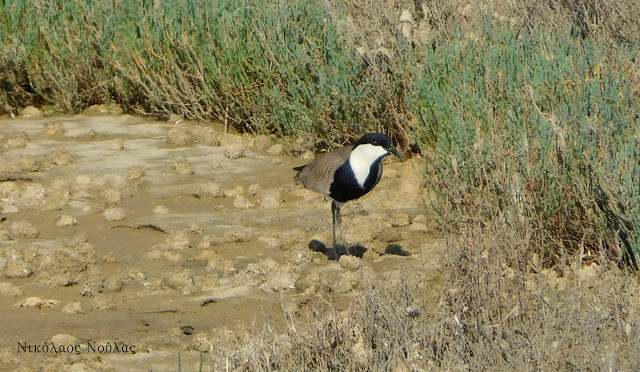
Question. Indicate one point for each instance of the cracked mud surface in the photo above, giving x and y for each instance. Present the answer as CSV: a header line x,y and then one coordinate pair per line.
x,y
155,235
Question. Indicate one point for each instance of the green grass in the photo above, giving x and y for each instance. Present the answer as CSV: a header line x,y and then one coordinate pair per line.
x,y
536,131
269,67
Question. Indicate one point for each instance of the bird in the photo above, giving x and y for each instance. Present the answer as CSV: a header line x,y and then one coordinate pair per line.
x,y
347,173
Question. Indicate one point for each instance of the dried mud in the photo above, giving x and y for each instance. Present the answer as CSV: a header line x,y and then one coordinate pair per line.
x,y
121,230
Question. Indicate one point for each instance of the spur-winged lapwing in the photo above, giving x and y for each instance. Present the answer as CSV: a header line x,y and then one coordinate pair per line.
x,y
347,173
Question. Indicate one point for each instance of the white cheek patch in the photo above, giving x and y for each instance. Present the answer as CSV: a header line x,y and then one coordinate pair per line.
x,y
361,159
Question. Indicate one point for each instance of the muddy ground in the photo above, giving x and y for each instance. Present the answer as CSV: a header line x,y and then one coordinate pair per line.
x,y
155,234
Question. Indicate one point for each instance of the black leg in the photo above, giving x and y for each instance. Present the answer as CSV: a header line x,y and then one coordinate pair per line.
x,y
339,221
333,220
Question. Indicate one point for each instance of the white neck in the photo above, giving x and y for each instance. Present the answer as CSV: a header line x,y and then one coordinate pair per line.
x,y
361,159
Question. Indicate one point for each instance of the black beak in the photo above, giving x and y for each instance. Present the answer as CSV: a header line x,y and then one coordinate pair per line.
x,y
394,151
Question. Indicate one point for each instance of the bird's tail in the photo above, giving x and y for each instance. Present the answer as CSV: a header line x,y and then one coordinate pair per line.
x,y
298,168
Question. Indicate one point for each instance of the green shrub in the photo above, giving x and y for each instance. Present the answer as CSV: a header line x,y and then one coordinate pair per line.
x,y
537,131
279,67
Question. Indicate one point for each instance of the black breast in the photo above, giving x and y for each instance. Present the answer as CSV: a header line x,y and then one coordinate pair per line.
x,y
345,187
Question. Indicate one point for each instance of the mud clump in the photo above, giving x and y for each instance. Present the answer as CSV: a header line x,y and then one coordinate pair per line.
x,y
66,268
112,196
9,189
192,134
61,157
177,241
73,308
53,129
31,112
135,173
270,198
400,220
182,165
18,140
180,280
66,220
9,289
276,149
18,268
24,229
389,235
211,189
240,202
32,196
262,142
103,302
114,214
116,145
161,209
233,192
235,152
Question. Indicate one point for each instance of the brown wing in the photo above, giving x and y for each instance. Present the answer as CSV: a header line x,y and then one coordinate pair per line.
x,y
318,175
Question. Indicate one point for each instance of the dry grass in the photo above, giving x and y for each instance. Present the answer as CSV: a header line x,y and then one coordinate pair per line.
x,y
497,310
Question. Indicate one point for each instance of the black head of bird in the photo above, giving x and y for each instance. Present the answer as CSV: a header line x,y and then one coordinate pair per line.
x,y
347,173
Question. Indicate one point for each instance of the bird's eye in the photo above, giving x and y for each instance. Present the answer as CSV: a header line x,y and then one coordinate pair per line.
x,y
376,143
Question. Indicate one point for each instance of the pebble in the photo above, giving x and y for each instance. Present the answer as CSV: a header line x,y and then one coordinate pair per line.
x,y
182,165
262,142
178,241
61,157
136,173
231,193
276,149
234,152
161,209
254,189
236,236
66,220
351,263
307,155
116,145
400,220
114,214
211,188
32,196
24,228
113,284
112,196
270,198
389,235
9,189
53,129
279,280
241,202
103,302
72,308
17,269
31,112
18,141
194,227
177,280
83,181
